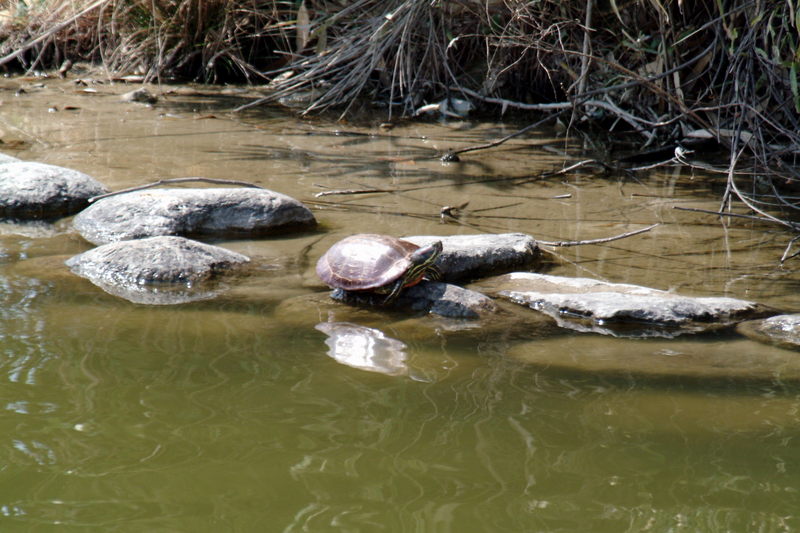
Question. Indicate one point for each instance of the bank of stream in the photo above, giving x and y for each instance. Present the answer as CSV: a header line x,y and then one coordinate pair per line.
x,y
229,414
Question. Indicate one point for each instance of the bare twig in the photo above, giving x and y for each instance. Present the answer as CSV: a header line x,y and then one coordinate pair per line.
x,y
574,166
786,255
550,106
735,189
598,241
352,191
175,180
452,155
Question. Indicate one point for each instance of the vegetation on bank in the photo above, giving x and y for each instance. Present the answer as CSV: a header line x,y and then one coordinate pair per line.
x,y
663,70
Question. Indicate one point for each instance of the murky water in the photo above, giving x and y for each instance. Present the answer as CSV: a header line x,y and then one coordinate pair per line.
x,y
229,415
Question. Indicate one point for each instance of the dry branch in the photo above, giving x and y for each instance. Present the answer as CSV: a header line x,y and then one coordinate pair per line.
x,y
598,241
175,180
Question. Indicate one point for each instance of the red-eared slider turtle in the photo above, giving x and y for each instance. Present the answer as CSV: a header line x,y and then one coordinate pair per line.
x,y
377,263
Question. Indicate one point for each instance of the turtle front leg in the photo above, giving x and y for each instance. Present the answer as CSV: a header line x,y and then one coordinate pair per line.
x,y
397,286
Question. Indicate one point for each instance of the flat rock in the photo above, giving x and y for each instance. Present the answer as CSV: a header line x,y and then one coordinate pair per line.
x,y
217,212
143,270
443,299
30,190
780,330
618,309
466,257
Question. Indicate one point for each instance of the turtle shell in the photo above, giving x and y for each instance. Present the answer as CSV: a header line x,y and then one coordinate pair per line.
x,y
365,262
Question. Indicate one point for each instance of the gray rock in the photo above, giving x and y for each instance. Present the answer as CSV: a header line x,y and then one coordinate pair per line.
x,y
473,256
191,212
4,158
156,270
141,95
433,297
30,190
390,340
447,300
780,330
620,309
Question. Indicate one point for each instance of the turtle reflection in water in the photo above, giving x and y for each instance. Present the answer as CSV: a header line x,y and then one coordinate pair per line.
x,y
377,263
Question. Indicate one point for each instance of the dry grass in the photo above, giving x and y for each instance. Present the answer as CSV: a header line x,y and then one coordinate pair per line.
x,y
206,40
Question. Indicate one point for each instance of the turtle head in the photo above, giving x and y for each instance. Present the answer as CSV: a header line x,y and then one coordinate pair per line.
x,y
422,260
422,264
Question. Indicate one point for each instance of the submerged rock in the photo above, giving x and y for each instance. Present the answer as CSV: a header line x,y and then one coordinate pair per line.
x,y
458,315
191,212
156,270
618,309
473,256
780,330
433,297
141,95
30,190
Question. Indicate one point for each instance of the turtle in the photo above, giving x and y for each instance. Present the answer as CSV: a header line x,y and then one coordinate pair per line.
x,y
377,263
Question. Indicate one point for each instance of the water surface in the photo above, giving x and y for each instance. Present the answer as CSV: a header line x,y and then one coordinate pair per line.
x,y
229,414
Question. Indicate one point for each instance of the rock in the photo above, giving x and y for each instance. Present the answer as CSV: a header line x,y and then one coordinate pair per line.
x,y
780,330
447,300
505,324
483,319
31,190
394,342
617,309
7,159
156,270
473,256
191,212
141,95
433,297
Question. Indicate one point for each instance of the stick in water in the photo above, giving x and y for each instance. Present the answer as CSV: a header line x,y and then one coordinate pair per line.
x,y
175,180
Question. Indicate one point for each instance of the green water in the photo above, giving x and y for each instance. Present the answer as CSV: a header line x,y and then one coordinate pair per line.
x,y
229,414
